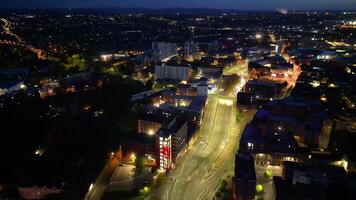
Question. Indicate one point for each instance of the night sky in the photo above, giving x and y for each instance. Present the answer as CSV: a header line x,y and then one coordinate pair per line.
x,y
221,4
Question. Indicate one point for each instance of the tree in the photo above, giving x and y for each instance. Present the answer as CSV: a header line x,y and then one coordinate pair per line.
x,y
161,178
259,189
239,115
144,191
268,174
75,61
149,85
223,185
140,163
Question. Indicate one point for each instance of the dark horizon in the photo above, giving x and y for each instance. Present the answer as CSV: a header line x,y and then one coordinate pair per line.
x,y
140,9
241,5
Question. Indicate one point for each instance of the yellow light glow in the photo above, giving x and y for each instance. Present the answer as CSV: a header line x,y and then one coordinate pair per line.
x,y
227,102
183,82
146,189
151,132
91,187
133,157
315,84
23,86
331,85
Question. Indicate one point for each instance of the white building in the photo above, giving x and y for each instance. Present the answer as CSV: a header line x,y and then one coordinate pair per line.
x,y
164,51
191,50
178,73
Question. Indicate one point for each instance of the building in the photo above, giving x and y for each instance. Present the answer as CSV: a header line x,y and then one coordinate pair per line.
x,y
306,120
139,144
202,90
271,149
164,51
75,82
186,90
172,140
281,71
10,86
254,53
244,182
211,72
170,133
264,90
172,73
286,130
194,111
37,192
49,87
245,101
313,181
208,47
191,51
256,70
150,121
144,60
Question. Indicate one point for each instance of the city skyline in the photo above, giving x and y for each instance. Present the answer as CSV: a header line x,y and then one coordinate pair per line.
x,y
160,4
179,103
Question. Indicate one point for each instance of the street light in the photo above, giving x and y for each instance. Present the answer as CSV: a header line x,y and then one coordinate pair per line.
x,y
258,36
133,157
151,132
146,189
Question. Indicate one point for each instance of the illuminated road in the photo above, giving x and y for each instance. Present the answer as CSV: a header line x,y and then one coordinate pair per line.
x,y
19,42
97,189
240,68
7,29
211,157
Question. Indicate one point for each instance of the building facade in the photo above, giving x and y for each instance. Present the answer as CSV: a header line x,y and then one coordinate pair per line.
x,y
176,73
164,51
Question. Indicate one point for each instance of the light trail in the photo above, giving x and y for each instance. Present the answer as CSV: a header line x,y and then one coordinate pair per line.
x,y
19,42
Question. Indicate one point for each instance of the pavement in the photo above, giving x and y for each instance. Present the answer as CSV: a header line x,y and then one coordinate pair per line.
x,y
268,185
122,178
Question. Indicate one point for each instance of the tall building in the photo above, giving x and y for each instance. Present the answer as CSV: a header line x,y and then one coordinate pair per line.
x,y
245,177
191,50
176,73
164,51
172,141
150,123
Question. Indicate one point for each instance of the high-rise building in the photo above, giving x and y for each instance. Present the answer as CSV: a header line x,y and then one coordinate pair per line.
x,y
164,51
172,140
191,50
177,73
245,177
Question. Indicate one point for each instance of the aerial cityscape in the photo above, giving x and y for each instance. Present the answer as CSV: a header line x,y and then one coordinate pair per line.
x,y
178,100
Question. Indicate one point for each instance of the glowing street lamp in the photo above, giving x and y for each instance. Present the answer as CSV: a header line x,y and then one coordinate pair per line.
x,y
151,132
133,157
258,36
146,189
